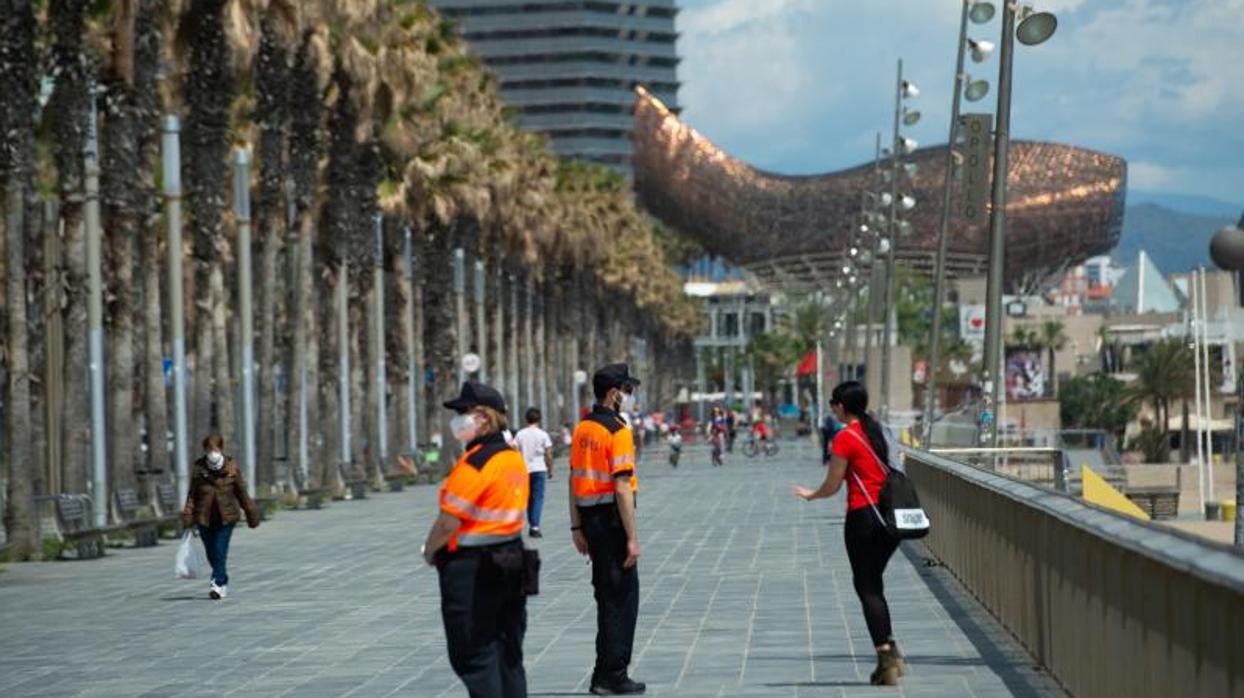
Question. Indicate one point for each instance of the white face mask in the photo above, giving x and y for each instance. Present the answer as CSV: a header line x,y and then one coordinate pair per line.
x,y
215,459
465,427
628,402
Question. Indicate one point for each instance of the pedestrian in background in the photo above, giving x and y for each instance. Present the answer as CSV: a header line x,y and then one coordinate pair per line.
x,y
216,501
859,457
537,449
476,545
602,524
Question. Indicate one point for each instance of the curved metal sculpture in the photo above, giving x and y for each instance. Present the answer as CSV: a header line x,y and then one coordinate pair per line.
x,y
1064,205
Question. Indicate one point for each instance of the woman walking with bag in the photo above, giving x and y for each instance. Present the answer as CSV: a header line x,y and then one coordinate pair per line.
x,y
859,456
216,501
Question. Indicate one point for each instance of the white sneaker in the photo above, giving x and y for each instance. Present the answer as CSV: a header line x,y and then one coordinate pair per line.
x,y
218,592
224,590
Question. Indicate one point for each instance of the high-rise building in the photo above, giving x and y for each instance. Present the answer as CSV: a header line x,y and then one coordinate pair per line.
x,y
569,66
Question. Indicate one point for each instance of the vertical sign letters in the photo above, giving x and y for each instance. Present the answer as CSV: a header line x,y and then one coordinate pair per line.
x,y
975,164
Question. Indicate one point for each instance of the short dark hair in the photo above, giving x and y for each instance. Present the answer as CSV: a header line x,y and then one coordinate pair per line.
x,y
214,440
533,415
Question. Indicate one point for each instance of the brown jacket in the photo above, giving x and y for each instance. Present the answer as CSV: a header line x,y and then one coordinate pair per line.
x,y
223,488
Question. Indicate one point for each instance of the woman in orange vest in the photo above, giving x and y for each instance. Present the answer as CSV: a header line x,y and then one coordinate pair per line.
x,y
477,548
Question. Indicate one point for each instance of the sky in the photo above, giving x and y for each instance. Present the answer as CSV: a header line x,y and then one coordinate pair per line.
x,y
802,86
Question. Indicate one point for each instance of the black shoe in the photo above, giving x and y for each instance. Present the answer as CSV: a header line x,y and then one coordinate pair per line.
x,y
535,533
625,687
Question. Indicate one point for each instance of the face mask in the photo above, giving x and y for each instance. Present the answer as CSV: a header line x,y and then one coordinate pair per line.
x,y
465,427
627,403
215,459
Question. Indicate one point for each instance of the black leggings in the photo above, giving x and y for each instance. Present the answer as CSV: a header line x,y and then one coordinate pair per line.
x,y
869,547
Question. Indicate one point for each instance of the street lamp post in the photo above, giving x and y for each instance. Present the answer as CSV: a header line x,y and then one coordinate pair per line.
x,y
978,12
1227,251
1034,28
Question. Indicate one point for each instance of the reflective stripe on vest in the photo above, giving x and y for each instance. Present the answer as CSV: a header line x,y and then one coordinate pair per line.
x,y
484,513
594,500
474,540
626,459
591,474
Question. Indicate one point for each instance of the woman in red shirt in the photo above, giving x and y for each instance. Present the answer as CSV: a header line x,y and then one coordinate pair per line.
x,y
859,457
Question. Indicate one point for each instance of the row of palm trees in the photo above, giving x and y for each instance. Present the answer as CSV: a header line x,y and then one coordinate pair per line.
x,y
352,109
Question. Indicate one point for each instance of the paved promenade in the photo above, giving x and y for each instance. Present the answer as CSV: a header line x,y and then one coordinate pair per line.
x,y
746,591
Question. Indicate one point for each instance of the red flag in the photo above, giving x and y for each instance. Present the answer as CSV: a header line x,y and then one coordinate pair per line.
x,y
808,365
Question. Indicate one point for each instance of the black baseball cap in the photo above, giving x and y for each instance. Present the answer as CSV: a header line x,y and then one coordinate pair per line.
x,y
475,394
612,376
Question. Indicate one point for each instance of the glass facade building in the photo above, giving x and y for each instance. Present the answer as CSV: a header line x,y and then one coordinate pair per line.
x,y
569,67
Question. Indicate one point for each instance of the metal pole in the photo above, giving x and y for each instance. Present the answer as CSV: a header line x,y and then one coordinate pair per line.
x,y
890,270
460,307
382,416
943,237
820,388
992,382
1196,368
242,214
872,265
95,317
1205,375
699,383
343,363
481,323
171,151
529,354
412,402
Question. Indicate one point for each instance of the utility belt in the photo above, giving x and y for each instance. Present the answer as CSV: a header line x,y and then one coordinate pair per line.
x,y
509,560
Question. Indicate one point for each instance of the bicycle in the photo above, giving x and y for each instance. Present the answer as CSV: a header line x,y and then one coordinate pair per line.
x,y
753,447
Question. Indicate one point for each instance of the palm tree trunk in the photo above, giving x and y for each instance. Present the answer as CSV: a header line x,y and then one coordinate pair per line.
x,y
403,370
359,417
500,346
329,379
298,380
208,92
419,322
21,525
222,374
54,358
66,115
272,75
19,85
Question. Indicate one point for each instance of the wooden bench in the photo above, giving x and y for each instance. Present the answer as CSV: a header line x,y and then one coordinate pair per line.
x,y
71,525
1158,502
146,529
355,481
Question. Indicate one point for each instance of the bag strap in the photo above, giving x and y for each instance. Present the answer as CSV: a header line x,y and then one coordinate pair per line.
x,y
860,483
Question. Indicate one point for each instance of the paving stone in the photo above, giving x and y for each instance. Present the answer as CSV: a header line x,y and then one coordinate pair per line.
x,y
745,591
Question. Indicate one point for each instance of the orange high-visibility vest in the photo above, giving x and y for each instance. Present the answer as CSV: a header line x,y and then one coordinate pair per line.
x,y
487,490
602,449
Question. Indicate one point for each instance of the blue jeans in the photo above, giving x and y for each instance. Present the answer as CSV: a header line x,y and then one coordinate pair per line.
x,y
216,545
535,504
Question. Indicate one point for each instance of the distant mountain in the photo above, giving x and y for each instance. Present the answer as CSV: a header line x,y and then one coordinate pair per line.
x,y
1187,203
1177,241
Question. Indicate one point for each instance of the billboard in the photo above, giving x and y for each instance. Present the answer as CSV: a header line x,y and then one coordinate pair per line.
x,y
1025,375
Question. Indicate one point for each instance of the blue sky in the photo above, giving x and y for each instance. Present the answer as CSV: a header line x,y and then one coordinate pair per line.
x,y
801,86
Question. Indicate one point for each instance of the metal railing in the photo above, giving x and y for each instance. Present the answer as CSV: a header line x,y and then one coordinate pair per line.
x,y
1111,606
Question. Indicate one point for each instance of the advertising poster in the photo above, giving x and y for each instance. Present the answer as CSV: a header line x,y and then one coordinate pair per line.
x,y
1025,375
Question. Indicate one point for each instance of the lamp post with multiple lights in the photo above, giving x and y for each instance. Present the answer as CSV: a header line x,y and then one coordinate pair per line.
x,y
1227,251
979,12
1031,28
902,146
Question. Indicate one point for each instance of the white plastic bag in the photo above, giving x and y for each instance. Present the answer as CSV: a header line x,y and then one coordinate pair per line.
x,y
189,564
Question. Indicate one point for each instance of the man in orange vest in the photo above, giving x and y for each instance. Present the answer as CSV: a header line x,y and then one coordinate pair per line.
x,y
476,545
602,524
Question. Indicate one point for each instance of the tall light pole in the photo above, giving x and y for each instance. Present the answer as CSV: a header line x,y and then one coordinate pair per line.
x,y
978,12
242,215
1034,28
901,146
874,259
170,150
95,316
1227,251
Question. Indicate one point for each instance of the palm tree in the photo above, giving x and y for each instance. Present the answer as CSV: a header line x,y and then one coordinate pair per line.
x,y
208,92
65,124
19,83
1052,338
278,30
1164,375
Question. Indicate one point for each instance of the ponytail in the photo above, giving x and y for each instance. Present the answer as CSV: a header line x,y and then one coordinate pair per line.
x,y
876,437
854,400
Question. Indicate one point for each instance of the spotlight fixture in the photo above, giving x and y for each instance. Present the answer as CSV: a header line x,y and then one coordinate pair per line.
x,y
980,11
910,89
975,90
1034,27
980,49
911,117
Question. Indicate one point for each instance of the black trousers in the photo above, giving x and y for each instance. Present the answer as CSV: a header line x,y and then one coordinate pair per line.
x,y
869,548
616,590
485,616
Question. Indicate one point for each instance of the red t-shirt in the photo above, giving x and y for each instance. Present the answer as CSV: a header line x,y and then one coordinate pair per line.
x,y
856,450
